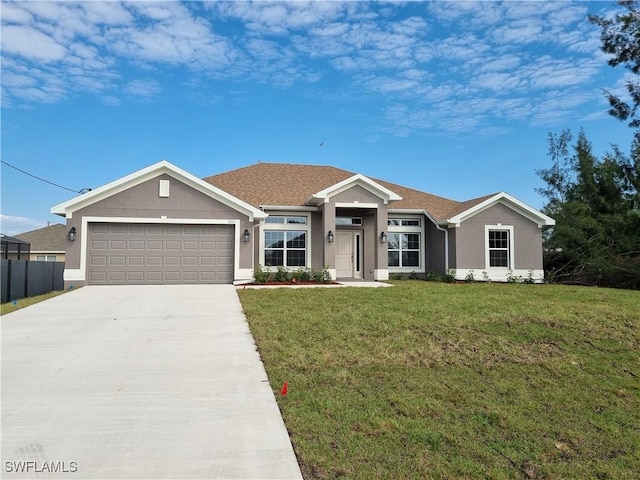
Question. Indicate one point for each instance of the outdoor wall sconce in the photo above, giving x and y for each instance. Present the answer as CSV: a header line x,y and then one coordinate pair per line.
x,y
330,236
383,237
245,236
72,234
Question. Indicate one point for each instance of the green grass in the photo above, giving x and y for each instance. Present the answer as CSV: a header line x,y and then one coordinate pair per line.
x,y
25,302
431,380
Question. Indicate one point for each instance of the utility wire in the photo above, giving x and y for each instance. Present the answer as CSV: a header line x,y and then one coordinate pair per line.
x,y
84,190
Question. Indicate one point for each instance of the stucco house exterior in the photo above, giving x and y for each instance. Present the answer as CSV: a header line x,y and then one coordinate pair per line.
x,y
164,225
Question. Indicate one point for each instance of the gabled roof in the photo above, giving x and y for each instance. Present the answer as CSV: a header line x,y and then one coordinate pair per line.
x,y
469,209
47,239
67,208
359,180
294,184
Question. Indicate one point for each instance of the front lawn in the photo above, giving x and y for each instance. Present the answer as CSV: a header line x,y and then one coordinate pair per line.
x,y
432,380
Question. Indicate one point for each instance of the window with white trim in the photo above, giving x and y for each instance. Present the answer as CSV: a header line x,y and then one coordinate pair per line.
x,y
404,250
404,222
285,241
499,246
405,244
285,248
289,220
45,258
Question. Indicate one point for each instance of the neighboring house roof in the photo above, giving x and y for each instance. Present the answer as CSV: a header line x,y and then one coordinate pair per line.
x,y
48,239
8,239
271,184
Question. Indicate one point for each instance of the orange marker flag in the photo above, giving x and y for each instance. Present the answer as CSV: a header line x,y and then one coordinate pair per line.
x,y
283,390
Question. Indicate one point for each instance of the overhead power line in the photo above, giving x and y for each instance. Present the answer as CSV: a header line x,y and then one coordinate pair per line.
x,y
84,190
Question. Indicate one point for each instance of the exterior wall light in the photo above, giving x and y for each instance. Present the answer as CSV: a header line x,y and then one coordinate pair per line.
x,y
72,234
245,236
330,236
383,237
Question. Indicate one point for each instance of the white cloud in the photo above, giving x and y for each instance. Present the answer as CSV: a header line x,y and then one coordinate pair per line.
x,y
30,43
142,88
505,60
15,225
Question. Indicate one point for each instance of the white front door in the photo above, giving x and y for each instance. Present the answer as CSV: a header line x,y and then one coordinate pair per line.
x,y
349,254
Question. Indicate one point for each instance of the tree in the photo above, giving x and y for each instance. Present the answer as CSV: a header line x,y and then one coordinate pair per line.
x,y
596,239
621,38
596,202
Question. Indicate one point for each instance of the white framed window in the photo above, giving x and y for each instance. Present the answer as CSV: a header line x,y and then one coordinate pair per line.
x,y
287,248
404,222
499,247
287,219
285,241
405,244
404,250
45,258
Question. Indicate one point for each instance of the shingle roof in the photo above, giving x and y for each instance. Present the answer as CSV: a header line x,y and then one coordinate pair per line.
x,y
293,184
47,239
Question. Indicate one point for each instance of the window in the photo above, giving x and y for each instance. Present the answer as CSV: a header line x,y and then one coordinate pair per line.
x,y
499,253
287,248
45,258
348,220
403,222
289,220
404,249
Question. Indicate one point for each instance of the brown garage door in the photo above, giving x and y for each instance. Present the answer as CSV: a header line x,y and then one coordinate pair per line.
x,y
121,253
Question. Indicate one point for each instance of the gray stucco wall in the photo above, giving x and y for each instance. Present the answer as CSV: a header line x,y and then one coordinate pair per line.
x,y
142,201
469,239
435,250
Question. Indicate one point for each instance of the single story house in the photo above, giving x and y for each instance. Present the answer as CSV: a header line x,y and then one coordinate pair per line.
x,y
47,243
163,225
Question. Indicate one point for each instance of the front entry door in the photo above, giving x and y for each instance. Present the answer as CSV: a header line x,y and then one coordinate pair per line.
x,y
349,254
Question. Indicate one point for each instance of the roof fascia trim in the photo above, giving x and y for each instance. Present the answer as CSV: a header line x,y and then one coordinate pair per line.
x,y
289,208
357,179
67,208
507,200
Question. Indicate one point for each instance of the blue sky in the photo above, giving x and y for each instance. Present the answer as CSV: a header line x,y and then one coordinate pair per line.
x,y
452,98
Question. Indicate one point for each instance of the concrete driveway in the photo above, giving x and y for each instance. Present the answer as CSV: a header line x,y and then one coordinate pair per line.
x,y
138,382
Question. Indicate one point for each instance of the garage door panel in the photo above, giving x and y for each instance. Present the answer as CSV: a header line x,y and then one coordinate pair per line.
x,y
160,253
136,260
117,260
136,277
155,244
154,276
154,261
116,276
136,244
99,245
171,261
172,245
98,260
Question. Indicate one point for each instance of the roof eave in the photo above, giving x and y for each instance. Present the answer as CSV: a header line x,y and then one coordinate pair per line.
x,y
527,211
67,208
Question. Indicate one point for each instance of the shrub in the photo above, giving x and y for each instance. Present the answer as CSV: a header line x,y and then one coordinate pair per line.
x,y
433,276
469,277
260,275
450,275
281,274
301,274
